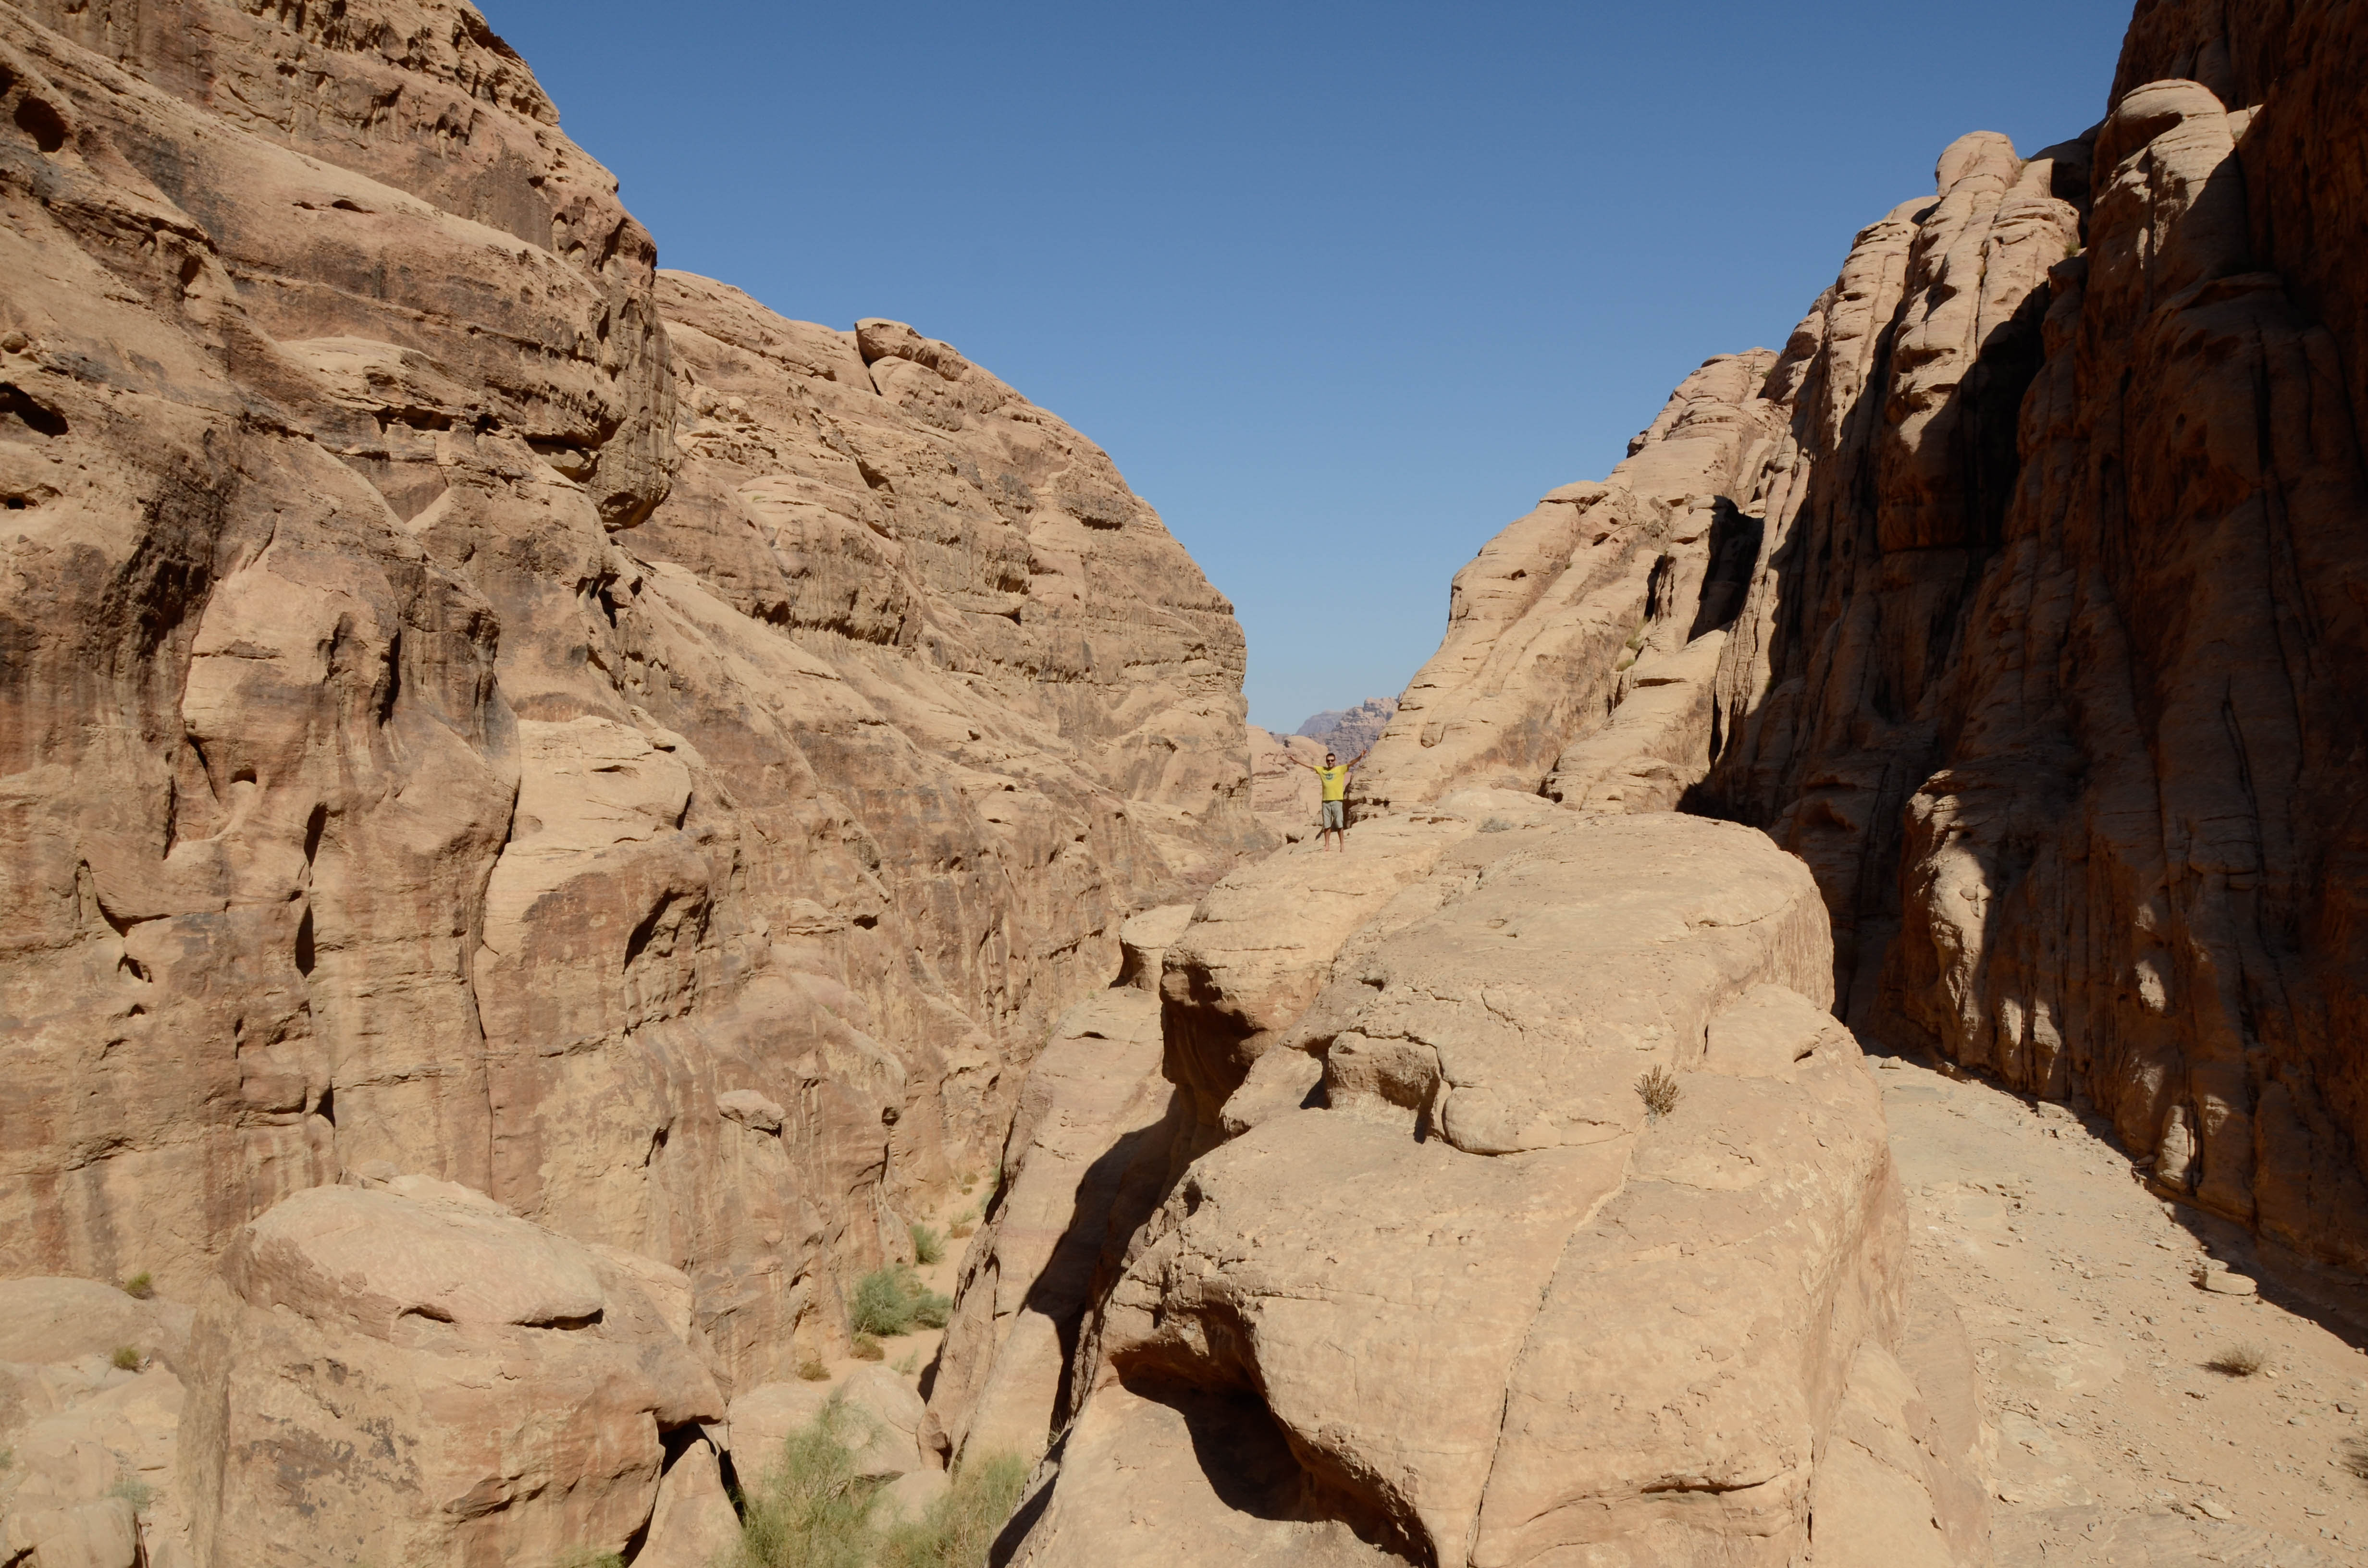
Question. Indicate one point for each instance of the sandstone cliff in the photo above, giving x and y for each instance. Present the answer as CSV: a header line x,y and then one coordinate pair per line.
x,y
2024,596
478,707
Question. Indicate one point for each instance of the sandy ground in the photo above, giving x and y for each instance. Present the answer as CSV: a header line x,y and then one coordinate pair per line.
x,y
2116,1443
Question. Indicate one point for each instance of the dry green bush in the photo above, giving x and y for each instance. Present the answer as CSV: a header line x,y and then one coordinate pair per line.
x,y
956,1531
125,1359
1658,1090
927,1246
813,1370
892,1301
811,1509
2239,1361
867,1348
140,1286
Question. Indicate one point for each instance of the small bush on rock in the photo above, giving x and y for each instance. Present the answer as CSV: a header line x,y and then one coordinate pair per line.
x,y
927,1246
140,1286
1658,1090
813,1370
891,1300
125,1359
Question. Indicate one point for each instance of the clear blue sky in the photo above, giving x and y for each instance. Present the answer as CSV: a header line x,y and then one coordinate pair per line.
x,y
1343,287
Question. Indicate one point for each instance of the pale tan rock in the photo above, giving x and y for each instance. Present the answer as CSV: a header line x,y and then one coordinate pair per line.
x,y
91,1535
1540,621
881,1418
1092,1100
62,1319
693,1524
1286,796
1262,942
94,1466
1656,743
1143,942
1545,1324
1246,1503
910,1494
761,1419
410,1373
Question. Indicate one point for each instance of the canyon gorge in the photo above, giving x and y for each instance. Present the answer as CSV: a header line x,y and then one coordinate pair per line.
x,y
558,823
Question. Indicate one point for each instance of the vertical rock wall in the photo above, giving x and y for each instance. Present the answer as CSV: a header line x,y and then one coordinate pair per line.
x,y
478,707
2039,566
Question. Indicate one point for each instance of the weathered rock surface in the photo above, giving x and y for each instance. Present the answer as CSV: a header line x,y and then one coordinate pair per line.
x,y
2039,555
1479,1306
1094,1108
409,1373
881,1420
1349,731
479,706
91,1479
1286,796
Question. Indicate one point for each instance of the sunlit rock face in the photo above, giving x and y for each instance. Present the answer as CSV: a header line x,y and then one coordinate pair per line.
x,y
2021,596
479,706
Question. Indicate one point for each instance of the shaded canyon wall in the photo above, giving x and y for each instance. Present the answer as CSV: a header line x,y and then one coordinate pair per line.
x,y
2024,596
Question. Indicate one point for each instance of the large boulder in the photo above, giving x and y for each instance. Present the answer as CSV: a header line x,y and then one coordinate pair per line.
x,y
409,1373
1492,1301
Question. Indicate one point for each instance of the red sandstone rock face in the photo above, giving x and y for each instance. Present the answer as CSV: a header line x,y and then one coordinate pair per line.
x,y
2046,645
478,707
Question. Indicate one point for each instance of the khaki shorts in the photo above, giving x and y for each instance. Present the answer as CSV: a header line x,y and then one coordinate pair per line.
x,y
1335,814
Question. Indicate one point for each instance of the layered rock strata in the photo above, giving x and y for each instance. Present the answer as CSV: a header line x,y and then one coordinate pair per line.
x,y
2022,595
480,708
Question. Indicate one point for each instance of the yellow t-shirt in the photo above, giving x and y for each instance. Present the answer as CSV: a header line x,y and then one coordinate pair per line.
x,y
1335,782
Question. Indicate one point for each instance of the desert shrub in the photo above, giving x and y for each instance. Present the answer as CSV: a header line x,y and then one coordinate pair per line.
x,y
137,1492
813,1370
2239,1361
1658,1090
891,1300
140,1286
961,1229
125,1359
956,1531
927,1246
867,1348
811,1510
